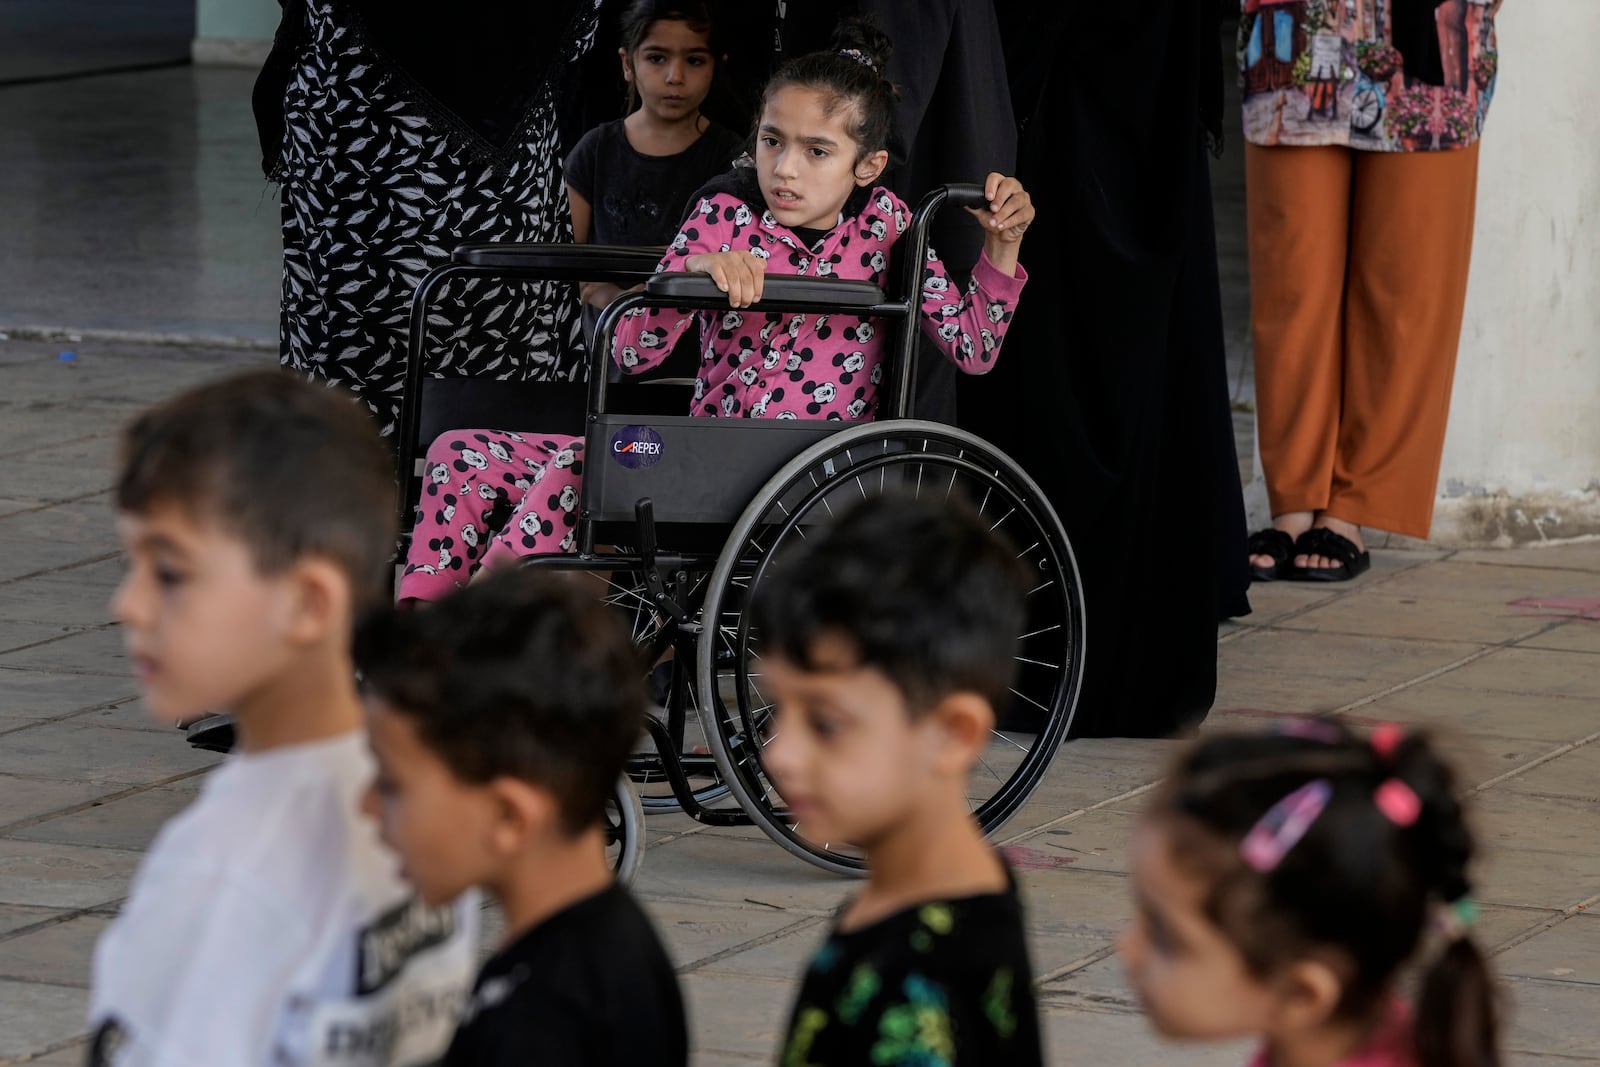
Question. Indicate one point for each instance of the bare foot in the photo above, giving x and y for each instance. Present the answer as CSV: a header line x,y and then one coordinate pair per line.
x,y
1348,530
1293,523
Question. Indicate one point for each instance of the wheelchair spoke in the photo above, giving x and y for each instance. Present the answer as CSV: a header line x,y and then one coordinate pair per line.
x,y
789,515
1029,699
1036,633
1009,741
1037,662
1003,518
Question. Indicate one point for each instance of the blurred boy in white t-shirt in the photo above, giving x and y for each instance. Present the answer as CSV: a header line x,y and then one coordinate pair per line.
x,y
268,924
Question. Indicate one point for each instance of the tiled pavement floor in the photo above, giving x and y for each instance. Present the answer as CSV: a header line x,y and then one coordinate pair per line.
x,y
1500,650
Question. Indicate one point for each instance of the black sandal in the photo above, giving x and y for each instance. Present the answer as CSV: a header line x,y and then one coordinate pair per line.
x,y
1277,544
1321,541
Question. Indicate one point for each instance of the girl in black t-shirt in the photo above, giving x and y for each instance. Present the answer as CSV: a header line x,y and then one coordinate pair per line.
x,y
628,180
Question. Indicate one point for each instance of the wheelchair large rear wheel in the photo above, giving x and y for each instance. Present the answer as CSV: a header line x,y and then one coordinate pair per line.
x,y
917,459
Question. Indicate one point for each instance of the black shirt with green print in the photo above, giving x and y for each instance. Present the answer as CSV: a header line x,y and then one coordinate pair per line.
x,y
938,984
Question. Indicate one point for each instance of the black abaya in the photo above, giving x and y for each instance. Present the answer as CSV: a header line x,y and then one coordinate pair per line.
x,y
1111,389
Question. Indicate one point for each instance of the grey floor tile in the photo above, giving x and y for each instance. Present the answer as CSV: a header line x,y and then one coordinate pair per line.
x,y
15,635
87,523
130,714
1583,556
1102,1038
733,871
736,1014
130,822
1538,879
1317,658
1490,584
1097,841
61,954
1532,671
1553,1019
30,557
35,1017
1575,774
1413,617
1580,635
69,750
42,600
88,652
1504,816
35,693
63,876
780,959
46,483
1447,704
1569,952
17,916
695,930
72,1055
1093,905
26,797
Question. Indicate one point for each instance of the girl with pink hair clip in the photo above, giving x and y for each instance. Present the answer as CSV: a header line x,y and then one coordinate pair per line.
x,y
1283,880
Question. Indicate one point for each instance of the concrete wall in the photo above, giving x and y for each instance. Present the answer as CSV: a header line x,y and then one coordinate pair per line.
x,y
234,32
1522,457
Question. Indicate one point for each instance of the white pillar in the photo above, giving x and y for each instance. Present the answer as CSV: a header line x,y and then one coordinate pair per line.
x,y
1522,455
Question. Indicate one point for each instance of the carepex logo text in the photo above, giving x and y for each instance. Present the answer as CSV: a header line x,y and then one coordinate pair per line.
x,y
637,447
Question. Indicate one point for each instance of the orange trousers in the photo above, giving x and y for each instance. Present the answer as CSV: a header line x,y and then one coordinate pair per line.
x,y
1358,280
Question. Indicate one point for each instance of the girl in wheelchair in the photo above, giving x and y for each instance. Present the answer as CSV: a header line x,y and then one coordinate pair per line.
x,y
807,204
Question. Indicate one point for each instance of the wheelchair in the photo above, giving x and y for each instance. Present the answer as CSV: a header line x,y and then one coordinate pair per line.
x,y
694,511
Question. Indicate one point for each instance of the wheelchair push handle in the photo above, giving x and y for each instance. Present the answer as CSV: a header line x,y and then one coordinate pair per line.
x,y
966,194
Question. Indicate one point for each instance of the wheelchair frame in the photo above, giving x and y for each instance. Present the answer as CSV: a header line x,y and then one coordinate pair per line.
x,y
683,593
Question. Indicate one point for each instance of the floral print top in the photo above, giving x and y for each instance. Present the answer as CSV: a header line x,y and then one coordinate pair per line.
x,y
1379,75
770,365
932,986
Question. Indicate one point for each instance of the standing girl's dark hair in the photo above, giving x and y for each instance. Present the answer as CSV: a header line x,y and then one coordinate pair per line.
x,y
850,73
1384,860
643,14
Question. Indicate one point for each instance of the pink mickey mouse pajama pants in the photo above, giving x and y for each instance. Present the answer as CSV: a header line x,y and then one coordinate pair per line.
x,y
489,496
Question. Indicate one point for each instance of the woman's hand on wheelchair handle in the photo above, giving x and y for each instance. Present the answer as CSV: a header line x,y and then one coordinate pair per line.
x,y
739,274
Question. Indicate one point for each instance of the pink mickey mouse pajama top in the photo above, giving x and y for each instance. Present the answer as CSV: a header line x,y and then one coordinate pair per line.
x,y
490,496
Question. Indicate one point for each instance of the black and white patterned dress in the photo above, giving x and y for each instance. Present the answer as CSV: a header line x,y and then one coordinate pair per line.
x,y
378,183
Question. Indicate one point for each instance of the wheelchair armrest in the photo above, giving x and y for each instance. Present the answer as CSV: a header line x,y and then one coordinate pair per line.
x,y
575,262
778,292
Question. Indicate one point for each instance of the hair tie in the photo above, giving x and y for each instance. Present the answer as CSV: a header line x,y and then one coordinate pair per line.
x,y
1386,738
1284,824
1454,920
1398,802
860,57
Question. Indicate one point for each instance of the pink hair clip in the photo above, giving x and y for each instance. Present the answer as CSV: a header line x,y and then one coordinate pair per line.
x,y
1398,802
1284,824
1311,730
1386,738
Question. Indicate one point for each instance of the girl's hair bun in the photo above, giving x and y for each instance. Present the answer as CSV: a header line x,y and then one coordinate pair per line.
x,y
859,39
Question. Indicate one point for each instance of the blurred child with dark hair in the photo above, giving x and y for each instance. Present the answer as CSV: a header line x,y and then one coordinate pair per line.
x,y
501,718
